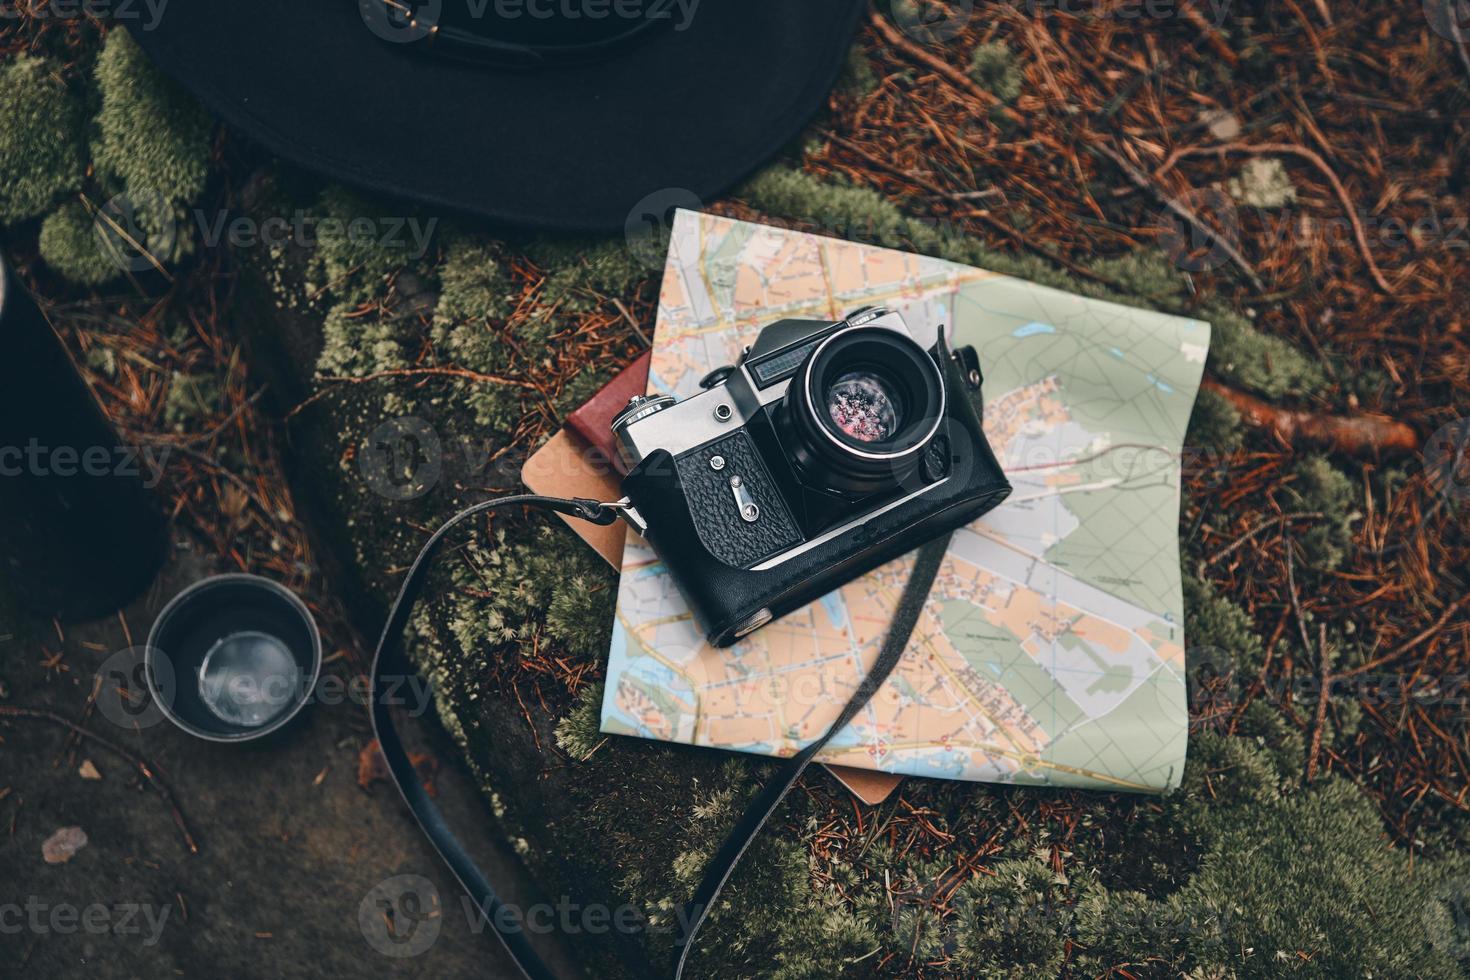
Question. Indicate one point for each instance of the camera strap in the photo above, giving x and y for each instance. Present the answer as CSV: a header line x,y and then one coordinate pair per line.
x,y
389,658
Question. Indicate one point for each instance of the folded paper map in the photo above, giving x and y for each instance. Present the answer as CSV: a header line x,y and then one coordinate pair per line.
x,y
1051,650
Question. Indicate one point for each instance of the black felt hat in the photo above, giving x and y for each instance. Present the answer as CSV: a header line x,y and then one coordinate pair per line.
x,y
561,114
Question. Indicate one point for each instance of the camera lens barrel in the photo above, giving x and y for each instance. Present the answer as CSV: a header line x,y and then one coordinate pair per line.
x,y
861,410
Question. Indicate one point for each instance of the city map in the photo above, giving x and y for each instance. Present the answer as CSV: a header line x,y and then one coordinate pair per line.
x,y
1051,650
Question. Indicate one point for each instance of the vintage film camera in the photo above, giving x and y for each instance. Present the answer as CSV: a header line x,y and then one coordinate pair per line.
x,y
829,449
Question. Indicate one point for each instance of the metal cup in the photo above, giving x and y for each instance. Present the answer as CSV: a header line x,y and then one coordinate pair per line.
x,y
233,658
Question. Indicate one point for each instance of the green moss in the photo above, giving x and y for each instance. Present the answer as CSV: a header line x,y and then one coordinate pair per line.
x,y
1318,486
1214,424
1220,635
1263,724
496,408
1280,872
382,288
42,152
351,265
102,360
474,293
580,613
190,396
1278,868
153,141
771,922
473,284
579,267
152,135
71,246
851,212
993,67
579,733
1279,880
1267,365
510,590
1008,921
356,343
376,283
1144,274
858,79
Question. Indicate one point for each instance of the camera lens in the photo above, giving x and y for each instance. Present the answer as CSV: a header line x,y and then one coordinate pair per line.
x,y
863,406
860,411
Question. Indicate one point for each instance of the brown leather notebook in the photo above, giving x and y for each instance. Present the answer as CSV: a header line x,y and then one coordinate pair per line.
x,y
593,421
577,462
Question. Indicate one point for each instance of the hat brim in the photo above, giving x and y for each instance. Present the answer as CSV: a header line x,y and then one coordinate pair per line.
x,y
571,148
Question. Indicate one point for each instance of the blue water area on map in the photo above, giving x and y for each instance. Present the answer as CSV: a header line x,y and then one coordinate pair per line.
x,y
1117,353
836,609
1160,384
1031,329
657,675
945,764
848,738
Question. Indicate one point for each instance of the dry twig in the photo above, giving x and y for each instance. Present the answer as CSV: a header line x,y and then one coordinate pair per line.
x,y
1358,435
1324,678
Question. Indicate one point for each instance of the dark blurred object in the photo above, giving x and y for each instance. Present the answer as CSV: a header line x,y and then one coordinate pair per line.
x,y
602,120
80,533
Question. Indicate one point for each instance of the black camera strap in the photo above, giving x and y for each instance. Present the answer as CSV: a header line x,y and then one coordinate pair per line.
x,y
389,658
